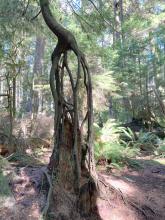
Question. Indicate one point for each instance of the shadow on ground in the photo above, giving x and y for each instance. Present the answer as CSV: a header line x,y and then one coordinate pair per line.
x,y
26,187
144,189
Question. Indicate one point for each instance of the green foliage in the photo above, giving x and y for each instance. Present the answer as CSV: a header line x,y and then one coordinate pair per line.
x,y
147,141
134,163
105,81
4,185
110,131
101,117
122,67
118,153
160,151
3,163
120,146
126,134
148,137
162,148
108,145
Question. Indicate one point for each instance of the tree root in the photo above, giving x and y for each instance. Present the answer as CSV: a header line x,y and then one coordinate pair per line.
x,y
45,209
127,201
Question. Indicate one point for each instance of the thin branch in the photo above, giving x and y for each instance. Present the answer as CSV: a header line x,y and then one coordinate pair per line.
x,y
69,71
45,209
26,8
32,19
83,122
79,16
102,16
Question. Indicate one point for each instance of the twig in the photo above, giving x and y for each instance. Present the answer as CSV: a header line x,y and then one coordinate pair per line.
x,y
26,8
9,157
32,19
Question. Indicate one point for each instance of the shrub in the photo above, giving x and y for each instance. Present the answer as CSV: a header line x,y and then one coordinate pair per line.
x,y
119,145
108,145
147,141
118,153
160,151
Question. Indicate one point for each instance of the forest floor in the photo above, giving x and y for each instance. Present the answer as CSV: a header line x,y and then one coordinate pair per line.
x,y
143,191
131,194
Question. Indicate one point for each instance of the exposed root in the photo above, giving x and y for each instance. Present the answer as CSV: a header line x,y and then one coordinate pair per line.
x,y
127,201
138,208
45,209
104,196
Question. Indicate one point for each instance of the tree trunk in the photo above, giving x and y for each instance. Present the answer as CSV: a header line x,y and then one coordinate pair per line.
x,y
72,162
39,54
14,97
38,71
10,108
140,75
118,21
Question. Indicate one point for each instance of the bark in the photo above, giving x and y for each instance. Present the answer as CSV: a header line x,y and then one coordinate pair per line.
x,y
111,113
121,19
114,31
39,53
163,67
10,108
14,97
37,96
140,75
161,104
69,168
118,20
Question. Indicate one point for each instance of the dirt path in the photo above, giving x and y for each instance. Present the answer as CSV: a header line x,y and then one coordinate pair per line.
x,y
143,189
133,195
28,194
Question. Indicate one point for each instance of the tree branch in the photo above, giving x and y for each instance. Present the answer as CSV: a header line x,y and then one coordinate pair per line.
x,y
26,8
32,19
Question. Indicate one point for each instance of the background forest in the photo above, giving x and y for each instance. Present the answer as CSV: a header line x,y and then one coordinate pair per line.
x,y
123,41
124,44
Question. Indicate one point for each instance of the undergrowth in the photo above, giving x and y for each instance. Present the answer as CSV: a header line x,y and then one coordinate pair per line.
x,y
119,146
25,159
109,147
5,191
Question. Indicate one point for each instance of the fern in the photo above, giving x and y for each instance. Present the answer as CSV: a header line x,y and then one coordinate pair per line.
x,y
108,144
128,133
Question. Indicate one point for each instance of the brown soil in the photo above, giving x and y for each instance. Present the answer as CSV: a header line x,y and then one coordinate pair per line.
x,y
126,195
28,194
143,193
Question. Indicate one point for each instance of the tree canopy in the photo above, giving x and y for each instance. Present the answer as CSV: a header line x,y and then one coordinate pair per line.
x,y
87,79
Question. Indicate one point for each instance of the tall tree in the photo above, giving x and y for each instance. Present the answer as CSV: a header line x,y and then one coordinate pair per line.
x,y
37,95
72,162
